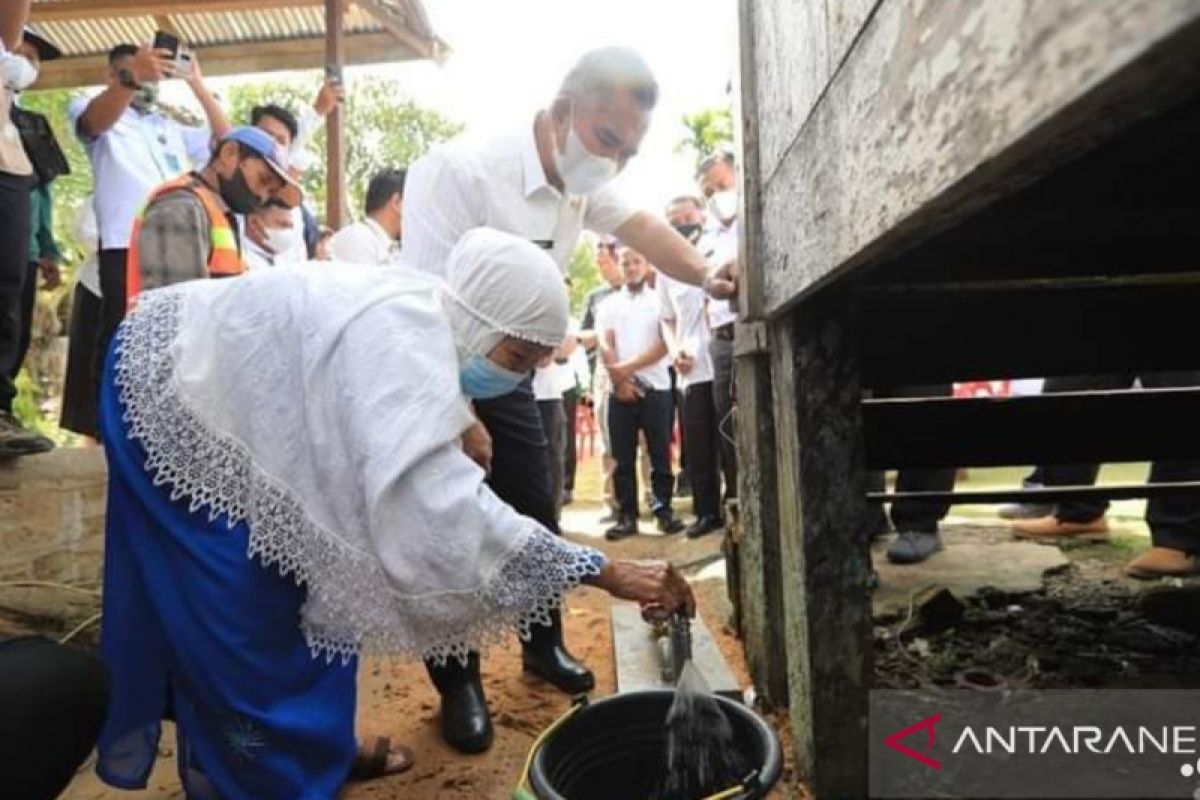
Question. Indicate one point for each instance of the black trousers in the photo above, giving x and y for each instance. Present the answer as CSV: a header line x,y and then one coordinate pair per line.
x,y
721,351
14,263
653,416
52,704
554,426
79,409
914,516
677,419
28,301
112,308
704,448
1174,521
570,456
521,476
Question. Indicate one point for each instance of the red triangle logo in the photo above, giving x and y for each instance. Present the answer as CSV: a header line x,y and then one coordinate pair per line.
x,y
929,724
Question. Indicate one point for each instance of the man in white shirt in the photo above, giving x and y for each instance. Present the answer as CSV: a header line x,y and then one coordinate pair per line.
x,y
545,183
294,136
719,244
268,237
134,148
376,239
635,355
685,322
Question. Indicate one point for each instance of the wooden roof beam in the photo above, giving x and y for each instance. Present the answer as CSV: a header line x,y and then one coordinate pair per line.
x,y
70,10
393,22
241,59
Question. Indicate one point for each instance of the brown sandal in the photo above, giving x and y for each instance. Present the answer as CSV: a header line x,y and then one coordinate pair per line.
x,y
377,761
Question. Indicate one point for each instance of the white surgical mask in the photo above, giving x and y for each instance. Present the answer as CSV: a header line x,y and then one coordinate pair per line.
x,y
300,159
18,72
582,171
724,205
280,240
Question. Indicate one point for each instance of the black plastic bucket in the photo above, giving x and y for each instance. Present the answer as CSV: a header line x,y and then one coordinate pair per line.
x,y
613,749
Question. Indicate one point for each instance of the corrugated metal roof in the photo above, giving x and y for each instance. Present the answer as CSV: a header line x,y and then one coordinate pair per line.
x,y
97,35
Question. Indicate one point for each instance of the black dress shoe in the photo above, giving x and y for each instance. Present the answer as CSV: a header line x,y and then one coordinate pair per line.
x,y
625,527
704,526
668,522
545,656
466,723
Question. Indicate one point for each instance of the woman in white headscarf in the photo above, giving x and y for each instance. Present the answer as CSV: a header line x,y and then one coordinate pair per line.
x,y
288,490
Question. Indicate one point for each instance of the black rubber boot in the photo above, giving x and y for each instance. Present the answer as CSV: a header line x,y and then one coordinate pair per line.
x,y
466,724
545,656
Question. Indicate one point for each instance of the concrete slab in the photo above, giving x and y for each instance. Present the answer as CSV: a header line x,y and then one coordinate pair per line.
x,y
639,659
964,568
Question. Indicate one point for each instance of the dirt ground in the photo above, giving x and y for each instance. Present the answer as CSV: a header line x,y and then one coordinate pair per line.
x,y
397,700
1086,626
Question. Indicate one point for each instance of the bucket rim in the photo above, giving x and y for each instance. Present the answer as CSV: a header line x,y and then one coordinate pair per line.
x,y
765,775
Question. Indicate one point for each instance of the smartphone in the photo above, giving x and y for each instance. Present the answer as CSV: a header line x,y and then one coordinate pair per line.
x,y
166,41
333,73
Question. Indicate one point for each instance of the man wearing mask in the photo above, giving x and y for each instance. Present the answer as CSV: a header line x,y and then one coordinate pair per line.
x,y
718,185
294,135
18,288
133,148
268,237
188,229
686,324
546,183
375,239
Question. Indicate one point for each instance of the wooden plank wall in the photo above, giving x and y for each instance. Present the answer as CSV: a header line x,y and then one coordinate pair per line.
x,y
936,109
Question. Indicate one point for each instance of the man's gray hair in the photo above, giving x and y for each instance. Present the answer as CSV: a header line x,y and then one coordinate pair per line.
x,y
718,157
608,69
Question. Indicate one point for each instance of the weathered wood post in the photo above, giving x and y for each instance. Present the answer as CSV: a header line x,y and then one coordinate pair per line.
x,y
759,578
335,61
825,557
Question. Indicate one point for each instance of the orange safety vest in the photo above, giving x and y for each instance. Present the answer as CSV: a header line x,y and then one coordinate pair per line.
x,y
224,260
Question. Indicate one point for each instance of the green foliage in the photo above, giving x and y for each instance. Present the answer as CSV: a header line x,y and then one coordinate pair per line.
x,y
384,129
707,130
585,275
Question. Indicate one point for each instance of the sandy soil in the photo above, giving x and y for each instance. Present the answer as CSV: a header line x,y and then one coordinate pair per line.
x,y
397,700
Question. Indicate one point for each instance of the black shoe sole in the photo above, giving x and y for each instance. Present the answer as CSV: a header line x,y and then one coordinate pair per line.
x,y
472,747
581,686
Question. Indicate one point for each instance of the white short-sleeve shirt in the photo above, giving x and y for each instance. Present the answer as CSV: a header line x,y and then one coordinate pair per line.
x,y
685,306
130,159
497,182
636,322
366,243
719,246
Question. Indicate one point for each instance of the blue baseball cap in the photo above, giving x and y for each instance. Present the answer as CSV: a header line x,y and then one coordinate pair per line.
x,y
262,145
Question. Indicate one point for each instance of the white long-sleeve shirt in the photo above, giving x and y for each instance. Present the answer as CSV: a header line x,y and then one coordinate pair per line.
x,y
500,183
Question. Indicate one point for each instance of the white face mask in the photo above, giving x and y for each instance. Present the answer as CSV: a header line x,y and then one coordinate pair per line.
x,y
724,205
17,72
582,171
279,240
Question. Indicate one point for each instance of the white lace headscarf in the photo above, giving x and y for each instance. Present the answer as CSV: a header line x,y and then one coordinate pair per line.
x,y
502,285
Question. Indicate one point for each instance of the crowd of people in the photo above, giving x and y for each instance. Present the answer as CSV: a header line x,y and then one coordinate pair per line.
x,y
312,461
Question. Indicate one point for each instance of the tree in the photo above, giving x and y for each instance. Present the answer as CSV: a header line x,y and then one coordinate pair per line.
x,y
69,191
707,130
385,128
584,274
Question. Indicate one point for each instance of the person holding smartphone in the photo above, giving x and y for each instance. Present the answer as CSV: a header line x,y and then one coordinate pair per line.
x,y
133,147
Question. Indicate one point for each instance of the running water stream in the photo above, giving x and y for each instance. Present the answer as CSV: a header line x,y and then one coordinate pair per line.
x,y
702,758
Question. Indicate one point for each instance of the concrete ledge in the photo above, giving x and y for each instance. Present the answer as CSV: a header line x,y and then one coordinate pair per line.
x,y
52,517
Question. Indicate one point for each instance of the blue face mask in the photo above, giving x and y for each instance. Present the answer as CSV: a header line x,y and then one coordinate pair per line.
x,y
481,378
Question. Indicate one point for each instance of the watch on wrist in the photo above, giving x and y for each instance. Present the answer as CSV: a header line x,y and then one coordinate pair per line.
x,y
125,79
